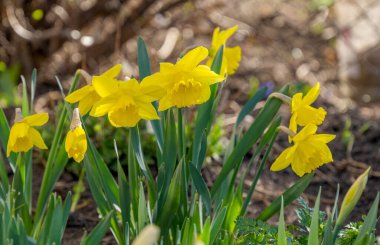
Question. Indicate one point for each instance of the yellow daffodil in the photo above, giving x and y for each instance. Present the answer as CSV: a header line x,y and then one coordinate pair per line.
x,y
76,140
231,56
125,102
302,111
23,136
185,83
87,96
309,152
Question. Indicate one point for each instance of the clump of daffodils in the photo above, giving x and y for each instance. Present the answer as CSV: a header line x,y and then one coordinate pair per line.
x,y
309,150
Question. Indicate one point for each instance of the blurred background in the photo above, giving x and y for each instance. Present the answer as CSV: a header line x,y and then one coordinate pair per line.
x,y
301,42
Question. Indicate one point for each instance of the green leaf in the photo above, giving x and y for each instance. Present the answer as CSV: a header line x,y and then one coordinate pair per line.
x,y
25,102
4,135
281,236
144,71
204,117
99,231
4,180
289,196
206,231
250,105
125,200
254,132
143,212
370,221
270,135
53,166
314,226
135,141
169,158
133,176
33,88
172,202
328,234
201,187
217,224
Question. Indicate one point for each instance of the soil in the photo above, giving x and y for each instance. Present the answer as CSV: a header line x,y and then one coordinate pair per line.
x,y
282,42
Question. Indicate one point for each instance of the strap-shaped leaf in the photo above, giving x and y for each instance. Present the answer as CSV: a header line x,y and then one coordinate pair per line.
x,y
254,132
314,226
201,187
289,196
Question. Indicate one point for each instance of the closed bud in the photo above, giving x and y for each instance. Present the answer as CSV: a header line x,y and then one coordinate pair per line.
x,y
352,197
148,236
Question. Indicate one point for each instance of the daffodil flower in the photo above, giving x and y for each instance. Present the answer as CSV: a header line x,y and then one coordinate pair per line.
x,y
231,56
185,83
302,111
125,102
309,152
87,95
76,140
23,136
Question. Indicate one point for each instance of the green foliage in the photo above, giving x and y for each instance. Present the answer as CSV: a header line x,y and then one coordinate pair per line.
x,y
304,214
252,231
152,174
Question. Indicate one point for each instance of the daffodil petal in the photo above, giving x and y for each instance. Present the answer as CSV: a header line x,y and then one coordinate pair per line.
x,y
79,94
282,161
105,86
325,138
103,106
296,102
297,166
36,119
192,58
166,67
312,94
36,138
147,111
220,37
203,74
164,103
293,125
113,71
69,141
308,130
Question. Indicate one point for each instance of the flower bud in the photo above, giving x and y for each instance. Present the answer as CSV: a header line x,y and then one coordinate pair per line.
x,y
148,236
352,197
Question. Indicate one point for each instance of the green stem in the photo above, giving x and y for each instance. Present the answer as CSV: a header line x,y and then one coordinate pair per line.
x,y
257,176
181,135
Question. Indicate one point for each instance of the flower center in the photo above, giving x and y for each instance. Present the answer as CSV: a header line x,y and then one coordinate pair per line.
x,y
186,92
